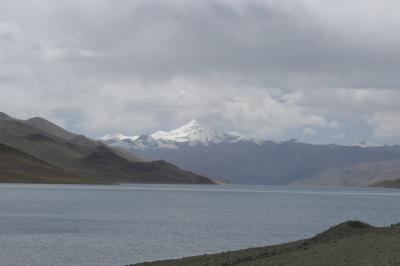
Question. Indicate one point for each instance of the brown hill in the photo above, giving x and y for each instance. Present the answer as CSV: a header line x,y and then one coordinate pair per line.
x,y
19,167
82,157
349,243
50,128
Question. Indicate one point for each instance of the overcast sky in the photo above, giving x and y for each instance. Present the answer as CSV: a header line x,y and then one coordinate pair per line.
x,y
319,71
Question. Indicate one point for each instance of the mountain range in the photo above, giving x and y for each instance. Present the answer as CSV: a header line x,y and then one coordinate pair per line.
x,y
38,151
193,133
238,159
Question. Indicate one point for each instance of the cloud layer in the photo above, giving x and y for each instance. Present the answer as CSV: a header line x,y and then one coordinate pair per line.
x,y
308,69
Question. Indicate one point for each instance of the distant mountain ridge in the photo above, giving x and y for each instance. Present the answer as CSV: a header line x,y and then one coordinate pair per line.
x,y
38,151
239,159
195,133
192,133
360,174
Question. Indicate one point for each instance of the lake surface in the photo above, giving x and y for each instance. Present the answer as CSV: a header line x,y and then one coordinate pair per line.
x,y
117,225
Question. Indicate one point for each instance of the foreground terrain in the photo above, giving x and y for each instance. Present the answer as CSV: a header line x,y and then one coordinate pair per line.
x,y
349,243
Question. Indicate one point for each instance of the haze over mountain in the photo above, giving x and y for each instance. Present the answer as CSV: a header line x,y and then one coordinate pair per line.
x,y
36,150
234,157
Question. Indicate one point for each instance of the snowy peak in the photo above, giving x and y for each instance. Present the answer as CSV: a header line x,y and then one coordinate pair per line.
x,y
192,133
118,140
196,133
117,137
145,141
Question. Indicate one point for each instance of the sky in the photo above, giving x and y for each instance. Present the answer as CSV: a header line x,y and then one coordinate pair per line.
x,y
317,71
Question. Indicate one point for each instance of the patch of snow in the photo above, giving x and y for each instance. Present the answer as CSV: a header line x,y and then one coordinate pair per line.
x,y
196,133
118,137
192,133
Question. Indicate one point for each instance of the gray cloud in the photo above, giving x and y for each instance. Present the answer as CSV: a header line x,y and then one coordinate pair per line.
x,y
279,69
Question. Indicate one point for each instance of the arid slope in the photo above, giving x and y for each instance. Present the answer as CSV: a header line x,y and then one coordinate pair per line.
x,y
37,150
349,243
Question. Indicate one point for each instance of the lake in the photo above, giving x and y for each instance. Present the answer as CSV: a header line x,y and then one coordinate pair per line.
x,y
117,225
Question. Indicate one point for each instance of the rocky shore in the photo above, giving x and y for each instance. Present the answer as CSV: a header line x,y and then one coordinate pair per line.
x,y
349,243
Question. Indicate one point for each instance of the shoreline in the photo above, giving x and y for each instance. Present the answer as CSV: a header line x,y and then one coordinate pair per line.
x,y
349,243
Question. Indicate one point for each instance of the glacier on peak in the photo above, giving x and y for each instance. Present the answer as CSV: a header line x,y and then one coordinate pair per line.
x,y
117,137
196,133
192,133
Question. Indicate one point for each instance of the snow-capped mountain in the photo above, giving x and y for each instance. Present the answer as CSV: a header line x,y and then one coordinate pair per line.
x,y
119,140
148,142
192,133
196,133
116,137
232,157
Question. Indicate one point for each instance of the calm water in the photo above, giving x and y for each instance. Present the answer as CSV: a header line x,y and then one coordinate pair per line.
x,y
116,225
